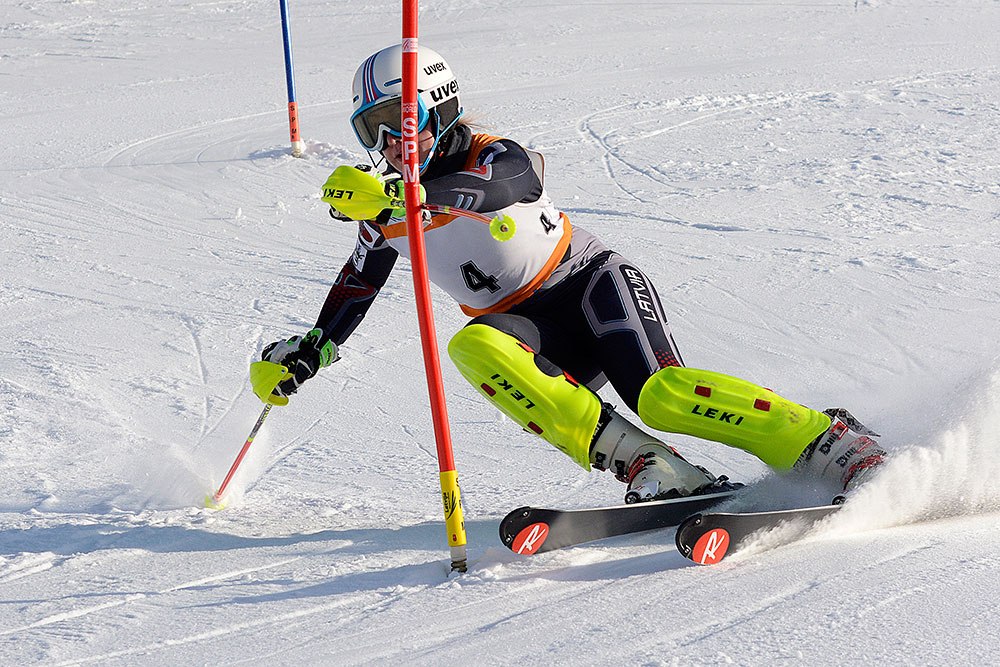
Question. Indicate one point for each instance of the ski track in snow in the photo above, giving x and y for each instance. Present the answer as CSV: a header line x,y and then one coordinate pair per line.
x,y
812,188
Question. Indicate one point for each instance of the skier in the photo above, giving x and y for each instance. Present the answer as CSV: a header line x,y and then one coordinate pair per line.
x,y
556,314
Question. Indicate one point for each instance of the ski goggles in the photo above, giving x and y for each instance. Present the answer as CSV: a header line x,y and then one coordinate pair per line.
x,y
373,120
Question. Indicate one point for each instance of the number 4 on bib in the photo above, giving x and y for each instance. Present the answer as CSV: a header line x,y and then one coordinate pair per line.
x,y
476,280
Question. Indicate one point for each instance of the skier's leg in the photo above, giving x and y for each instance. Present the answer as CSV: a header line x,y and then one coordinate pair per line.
x,y
638,354
830,445
629,334
544,400
735,412
537,395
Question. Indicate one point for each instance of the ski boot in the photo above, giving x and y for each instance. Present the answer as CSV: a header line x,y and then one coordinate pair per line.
x,y
847,454
653,470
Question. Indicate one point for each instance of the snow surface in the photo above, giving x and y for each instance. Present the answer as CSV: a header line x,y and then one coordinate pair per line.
x,y
814,187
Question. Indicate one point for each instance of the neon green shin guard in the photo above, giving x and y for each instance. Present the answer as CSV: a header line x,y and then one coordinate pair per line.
x,y
556,408
731,411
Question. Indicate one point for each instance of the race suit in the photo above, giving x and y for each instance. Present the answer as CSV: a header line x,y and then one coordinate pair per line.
x,y
581,307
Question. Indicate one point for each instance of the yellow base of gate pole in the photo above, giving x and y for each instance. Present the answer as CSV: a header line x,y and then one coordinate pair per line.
x,y
454,519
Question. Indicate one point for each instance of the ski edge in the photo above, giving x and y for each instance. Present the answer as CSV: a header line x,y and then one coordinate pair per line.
x,y
649,503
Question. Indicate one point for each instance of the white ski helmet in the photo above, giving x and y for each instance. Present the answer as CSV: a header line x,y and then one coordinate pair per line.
x,y
378,91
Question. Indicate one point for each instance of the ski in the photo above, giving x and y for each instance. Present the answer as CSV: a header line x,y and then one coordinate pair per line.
x,y
531,530
707,538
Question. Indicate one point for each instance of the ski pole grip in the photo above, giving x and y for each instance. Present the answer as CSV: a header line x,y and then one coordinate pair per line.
x,y
264,377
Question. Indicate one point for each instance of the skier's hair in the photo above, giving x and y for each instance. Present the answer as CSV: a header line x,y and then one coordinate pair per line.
x,y
473,121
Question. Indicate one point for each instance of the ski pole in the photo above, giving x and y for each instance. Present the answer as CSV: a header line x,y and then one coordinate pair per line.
x,y
214,501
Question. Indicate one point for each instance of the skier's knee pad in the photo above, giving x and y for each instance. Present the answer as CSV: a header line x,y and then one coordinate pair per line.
x,y
731,411
550,404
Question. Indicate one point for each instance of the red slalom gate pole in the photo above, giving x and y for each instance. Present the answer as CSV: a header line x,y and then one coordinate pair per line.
x,y
454,519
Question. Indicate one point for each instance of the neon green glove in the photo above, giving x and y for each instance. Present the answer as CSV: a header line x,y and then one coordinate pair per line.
x,y
300,357
395,190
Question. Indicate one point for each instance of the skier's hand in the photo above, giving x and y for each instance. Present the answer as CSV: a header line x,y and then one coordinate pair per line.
x,y
303,356
394,189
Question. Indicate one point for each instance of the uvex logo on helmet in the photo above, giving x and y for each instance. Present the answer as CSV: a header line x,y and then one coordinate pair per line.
x,y
436,67
444,91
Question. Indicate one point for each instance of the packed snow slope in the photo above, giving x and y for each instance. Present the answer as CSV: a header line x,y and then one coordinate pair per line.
x,y
813,187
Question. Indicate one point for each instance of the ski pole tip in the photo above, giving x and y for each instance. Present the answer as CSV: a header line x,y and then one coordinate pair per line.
x,y
214,502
